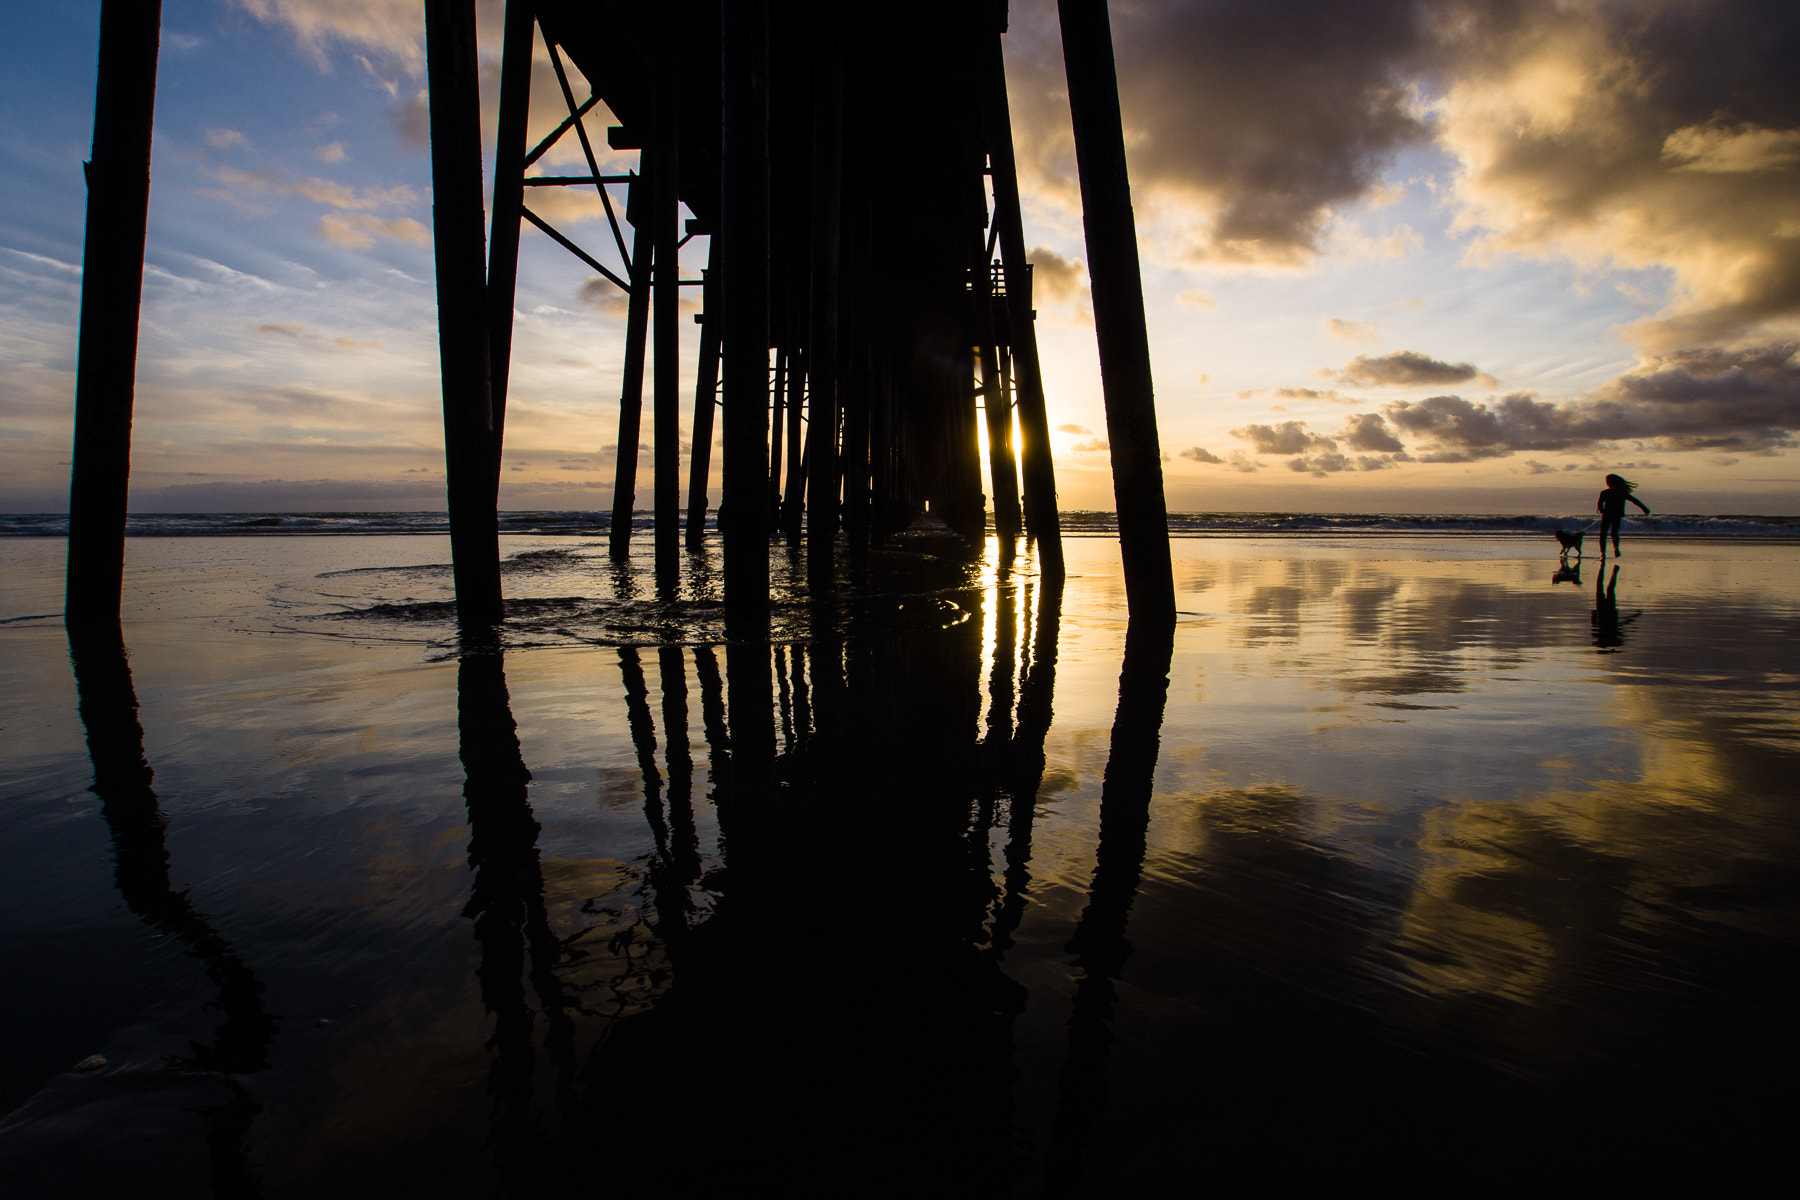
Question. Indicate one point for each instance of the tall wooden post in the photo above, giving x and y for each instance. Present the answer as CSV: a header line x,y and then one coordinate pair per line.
x,y
509,202
996,400
744,180
793,492
638,206
784,362
667,396
1041,517
706,394
823,367
470,430
112,284
1118,309
855,294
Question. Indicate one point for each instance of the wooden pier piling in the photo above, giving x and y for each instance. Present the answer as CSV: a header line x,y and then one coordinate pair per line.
x,y
112,284
471,441
1119,322
631,389
666,223
744,228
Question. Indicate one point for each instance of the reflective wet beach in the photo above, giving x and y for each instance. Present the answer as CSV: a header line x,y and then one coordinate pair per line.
x,y
1423,865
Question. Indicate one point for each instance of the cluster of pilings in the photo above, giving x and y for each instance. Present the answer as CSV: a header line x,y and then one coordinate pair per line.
x,y
867,297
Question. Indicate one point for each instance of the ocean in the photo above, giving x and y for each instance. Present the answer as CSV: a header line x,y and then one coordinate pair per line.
x,y
1412,854
1075,523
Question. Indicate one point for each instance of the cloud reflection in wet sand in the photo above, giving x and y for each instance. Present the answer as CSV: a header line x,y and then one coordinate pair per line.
x,y
1411,878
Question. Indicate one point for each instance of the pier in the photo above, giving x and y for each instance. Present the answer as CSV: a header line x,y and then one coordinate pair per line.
x,y
866,309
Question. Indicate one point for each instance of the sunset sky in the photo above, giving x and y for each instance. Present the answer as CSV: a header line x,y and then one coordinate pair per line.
x,y
1429,255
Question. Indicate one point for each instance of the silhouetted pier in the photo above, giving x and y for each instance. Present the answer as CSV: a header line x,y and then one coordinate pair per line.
x,y
867,297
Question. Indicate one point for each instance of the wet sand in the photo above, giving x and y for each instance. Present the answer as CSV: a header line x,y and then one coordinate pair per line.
x,y
1424,866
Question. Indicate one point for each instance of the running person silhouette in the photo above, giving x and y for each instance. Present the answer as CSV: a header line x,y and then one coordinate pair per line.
x,y
1611,506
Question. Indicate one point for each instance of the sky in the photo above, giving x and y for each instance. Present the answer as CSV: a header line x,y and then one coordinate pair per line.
x,y
1401,255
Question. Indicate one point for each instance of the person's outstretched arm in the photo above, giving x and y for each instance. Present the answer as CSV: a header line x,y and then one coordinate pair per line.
x,y
1640,504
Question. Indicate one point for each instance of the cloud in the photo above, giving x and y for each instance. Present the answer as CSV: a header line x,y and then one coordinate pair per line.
x,y
1093,447
1351,331
1533,467
1196,298
1367,431
392,29
1080,430
331,152
1054,277
1289,437
1712,400
1390,243
224,139
602,294
1709,399
1319,456
1201,454
1404,368
1459,430
1660,136
1265,119
1237,460
320,191
1730,150
358,230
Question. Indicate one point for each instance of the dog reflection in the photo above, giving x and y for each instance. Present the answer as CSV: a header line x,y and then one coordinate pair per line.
x,y
1567,573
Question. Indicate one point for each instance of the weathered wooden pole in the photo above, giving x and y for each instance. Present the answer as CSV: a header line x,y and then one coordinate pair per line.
x,y
744,228
666,89
1041,517
470,430
638,207
112,285
509,202
823,367
706,395
1125,376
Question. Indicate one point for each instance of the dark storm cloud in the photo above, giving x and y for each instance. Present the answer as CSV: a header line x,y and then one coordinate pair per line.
x,y
1271,114
1404,368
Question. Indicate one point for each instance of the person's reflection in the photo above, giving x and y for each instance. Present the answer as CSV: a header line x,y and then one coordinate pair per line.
x,y
506,903
1609,626
122,780
1100,945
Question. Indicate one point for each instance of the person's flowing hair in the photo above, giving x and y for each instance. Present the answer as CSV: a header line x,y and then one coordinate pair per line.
x,y
1620,481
